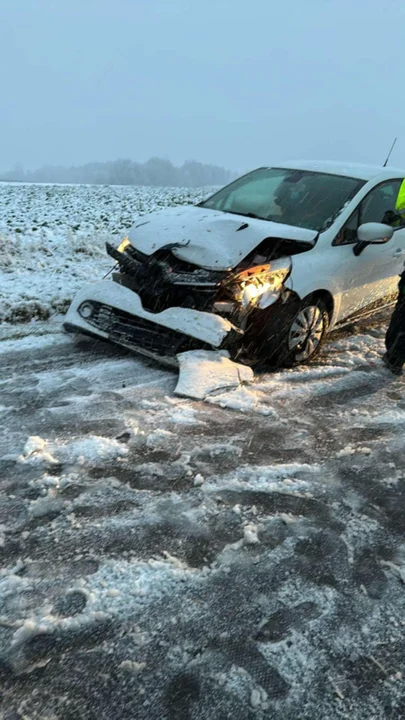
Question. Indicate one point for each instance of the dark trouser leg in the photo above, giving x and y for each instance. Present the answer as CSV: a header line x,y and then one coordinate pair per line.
x,y
395,338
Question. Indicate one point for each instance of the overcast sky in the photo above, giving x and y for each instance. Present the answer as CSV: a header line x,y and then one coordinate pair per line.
x,y
238,83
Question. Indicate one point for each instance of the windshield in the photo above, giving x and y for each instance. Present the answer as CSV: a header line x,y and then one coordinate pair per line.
x,y
293,197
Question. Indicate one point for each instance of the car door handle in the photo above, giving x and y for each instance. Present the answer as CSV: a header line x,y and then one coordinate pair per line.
x,y
398,253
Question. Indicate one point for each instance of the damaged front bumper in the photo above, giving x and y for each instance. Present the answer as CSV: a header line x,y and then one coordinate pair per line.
x,y
114,312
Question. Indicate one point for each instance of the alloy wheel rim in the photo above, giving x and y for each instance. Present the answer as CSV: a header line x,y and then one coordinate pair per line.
x,y
306,332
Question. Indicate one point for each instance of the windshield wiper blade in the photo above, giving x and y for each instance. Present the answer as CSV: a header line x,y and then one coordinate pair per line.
x,y
258,217
253,215
248,215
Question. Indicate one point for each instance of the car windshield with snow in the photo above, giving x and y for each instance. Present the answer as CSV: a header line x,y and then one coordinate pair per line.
x,y
292,197
263,269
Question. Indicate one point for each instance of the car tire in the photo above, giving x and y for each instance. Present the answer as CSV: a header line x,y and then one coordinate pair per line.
x,y
297,336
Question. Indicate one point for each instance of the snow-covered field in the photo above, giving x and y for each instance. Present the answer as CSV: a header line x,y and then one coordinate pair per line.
x,y
168,558
52,239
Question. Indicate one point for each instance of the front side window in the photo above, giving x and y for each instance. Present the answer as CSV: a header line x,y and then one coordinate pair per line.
x,y
293,197
348,234
380,203
378,206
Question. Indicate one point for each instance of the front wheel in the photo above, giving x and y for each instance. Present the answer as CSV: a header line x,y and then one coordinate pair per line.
x,y
307,332
294,333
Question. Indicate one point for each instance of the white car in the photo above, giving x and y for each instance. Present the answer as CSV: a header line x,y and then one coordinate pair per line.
x,y
264,268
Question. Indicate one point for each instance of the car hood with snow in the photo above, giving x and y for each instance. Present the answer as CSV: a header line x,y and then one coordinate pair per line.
x,y
208,238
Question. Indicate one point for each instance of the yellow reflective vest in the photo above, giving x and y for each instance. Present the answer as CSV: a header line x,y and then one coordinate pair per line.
x,y
400,204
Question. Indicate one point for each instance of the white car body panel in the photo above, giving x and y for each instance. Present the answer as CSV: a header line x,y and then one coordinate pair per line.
x,y
210,239
207,327
354,282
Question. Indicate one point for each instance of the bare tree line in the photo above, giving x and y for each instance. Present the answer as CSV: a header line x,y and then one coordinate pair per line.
x,y
154,172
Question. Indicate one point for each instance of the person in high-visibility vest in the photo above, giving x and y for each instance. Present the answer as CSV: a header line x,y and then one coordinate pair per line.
x,y
394,358
400,203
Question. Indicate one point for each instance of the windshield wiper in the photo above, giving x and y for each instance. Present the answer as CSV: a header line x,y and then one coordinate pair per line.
x,y
257,217
241,214
248,214
252,215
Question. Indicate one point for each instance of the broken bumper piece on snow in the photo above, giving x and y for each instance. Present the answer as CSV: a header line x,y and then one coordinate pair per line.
x,y
115,313
204,373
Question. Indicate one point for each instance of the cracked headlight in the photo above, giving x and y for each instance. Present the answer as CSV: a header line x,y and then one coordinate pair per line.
x,y
123,244
261,285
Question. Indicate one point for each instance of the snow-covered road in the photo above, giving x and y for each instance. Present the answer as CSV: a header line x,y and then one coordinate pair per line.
x,y
165,558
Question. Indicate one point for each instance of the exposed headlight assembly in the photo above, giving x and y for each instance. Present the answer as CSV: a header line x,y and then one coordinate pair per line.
x,y
261,285
123,245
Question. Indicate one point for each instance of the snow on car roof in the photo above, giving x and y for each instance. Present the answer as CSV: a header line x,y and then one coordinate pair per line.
x,y
363,172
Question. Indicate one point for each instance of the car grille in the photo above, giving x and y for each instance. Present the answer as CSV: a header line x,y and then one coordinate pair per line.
x,y
122,327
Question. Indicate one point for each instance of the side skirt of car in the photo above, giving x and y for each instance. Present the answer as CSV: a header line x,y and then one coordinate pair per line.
x,y
367,312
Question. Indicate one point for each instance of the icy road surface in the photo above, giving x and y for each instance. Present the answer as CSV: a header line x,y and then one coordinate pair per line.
x,y
164,558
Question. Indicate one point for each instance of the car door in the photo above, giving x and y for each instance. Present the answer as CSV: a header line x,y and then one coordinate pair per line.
x,y
372,276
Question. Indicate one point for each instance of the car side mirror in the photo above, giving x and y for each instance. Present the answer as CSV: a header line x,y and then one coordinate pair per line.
x,y
372,234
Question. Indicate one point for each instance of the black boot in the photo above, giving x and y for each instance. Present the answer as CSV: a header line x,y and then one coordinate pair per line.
x,y
395,366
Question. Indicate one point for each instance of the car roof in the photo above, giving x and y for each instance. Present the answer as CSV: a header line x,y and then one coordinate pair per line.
x,y
362,172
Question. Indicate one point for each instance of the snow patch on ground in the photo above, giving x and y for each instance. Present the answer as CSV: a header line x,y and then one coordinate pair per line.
x,y
392,418
86,451
91,451
289,477
160,439
173,411
245,400
136,584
